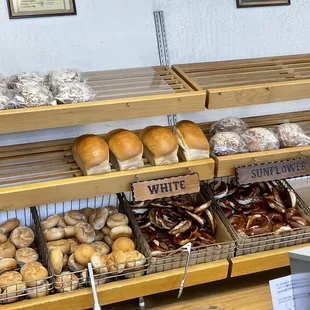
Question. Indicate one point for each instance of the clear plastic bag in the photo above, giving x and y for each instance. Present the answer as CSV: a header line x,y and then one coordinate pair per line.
x,y
59,77
6,101
74,93
291,135
34,96
228,124
227,143
3,85
261,139
25,79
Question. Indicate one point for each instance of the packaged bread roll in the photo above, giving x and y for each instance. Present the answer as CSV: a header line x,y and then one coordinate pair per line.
x,y
91,153
261,139
160,145
192,141
291,135
126,149
228,124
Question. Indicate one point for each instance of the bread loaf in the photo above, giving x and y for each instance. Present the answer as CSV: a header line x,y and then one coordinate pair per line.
x,y
192,141
160,145
126,149
91,153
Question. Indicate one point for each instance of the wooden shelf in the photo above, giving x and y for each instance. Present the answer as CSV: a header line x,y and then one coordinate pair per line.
x,y
127,289
45,172
262,261
250,81
121,94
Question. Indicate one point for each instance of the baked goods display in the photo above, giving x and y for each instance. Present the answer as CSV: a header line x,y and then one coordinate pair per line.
x,y
21,273
260,208
160,145
291,135
126,149
193,144
169,223
70,254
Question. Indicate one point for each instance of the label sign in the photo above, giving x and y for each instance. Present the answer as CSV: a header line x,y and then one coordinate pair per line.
x,y
273,171
168,187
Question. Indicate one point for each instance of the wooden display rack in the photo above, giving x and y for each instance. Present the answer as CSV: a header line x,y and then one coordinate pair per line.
x,y
249,81
121,94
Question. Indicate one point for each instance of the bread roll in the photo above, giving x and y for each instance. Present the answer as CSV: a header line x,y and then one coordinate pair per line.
x,y
39,291
228,124
61,223
120,231
98,218
57,260
3,238
66,282
87,212
126,149
28,265
112,210
291,135
117,220
34,275
101,247
10,277
54,234
91,153
7,250
66,259
124,244
73,265
116,261
63,244
73,244
69,231
83,253
84,233
99,235
135,263
74,217
9,225
98,263
12,293
160,145
50,222
22,237
26,255
192,141
106,230
108,241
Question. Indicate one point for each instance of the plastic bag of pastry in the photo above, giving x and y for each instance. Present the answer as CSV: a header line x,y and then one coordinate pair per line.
x,y
227,143
34,96
19,81
74,92
3,85
261,139
291,135
59,77
228,124
6,100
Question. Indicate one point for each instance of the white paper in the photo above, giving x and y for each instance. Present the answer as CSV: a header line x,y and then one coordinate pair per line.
x,y
291,292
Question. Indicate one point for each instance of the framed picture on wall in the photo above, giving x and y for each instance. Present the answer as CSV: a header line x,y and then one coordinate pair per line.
x,y
40,8
251,3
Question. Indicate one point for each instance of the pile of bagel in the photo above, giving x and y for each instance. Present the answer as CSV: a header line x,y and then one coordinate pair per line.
x,y
98,236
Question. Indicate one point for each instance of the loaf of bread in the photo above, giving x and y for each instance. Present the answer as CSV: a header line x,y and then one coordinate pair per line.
x,y
261,139
160,145
228,124
192,141
291,135
91,153
126,149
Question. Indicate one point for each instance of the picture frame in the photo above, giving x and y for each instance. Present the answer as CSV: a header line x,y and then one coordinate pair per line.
x,y
40,8
258,3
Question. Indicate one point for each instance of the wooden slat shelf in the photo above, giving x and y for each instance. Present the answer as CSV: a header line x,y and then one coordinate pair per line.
x,y
121,94
262,261
127,289
249,81
45,172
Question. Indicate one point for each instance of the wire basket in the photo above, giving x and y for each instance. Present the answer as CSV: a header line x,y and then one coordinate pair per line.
x,y
80,279
169,260
269,241
32,288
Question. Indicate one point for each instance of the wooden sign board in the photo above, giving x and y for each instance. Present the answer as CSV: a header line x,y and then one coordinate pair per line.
x,y
273,171
168,187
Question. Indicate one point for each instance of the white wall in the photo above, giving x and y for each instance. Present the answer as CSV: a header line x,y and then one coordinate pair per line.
x,y
120,33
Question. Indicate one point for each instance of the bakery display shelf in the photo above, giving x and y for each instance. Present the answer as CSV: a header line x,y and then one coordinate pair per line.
x,y
249,81
121,94
128,289
262,261
225,165
45,172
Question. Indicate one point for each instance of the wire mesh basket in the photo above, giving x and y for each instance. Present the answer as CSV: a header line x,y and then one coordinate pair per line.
x,y
72,280
169,260
30,289
268,241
